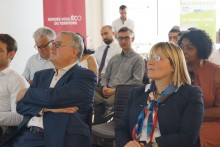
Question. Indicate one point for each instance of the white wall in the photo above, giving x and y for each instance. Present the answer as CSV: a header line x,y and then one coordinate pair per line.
x,y
94,21
20,18
146,18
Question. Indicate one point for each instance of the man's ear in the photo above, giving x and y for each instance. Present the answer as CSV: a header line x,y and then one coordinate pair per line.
x,y
11,54
75,52
132,39
113,33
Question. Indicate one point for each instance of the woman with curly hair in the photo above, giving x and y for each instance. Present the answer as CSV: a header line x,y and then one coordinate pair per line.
x,y
197,47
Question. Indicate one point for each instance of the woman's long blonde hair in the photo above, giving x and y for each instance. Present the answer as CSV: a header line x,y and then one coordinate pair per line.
x,y
177,60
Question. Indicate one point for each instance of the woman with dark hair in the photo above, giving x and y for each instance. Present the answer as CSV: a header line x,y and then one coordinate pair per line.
x,y
197,47
88,61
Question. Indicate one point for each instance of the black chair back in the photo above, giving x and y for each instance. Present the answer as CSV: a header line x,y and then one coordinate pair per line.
x,y
121,98
89,118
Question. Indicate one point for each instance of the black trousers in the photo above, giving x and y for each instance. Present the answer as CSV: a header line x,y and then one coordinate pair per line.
x,y
26,138
5,135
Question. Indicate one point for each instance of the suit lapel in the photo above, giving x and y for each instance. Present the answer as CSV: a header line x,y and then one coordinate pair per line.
x,y
48,80
140,103
64,78
45,79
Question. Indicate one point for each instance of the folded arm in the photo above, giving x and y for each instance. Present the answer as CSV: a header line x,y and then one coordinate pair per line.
x,y
77,91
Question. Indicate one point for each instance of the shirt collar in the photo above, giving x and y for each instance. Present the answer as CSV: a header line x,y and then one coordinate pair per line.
x,y
151,87
40,58
65,69
147,87
110,43
124,20
127,53
5,71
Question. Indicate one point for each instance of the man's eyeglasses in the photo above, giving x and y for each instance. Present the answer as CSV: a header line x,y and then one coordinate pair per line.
x,y
42,46
57,44
126,38
156,58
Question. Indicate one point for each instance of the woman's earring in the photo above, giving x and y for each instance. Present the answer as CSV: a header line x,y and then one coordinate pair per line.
x,y
201,62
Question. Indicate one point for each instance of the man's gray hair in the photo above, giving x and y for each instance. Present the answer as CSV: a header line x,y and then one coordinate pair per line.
x,y
77,42
44,32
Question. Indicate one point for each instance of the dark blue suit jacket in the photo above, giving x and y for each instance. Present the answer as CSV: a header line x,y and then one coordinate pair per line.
x,y
75,88
179,117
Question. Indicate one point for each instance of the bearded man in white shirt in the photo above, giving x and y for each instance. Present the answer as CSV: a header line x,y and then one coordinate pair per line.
x,y
109,40
11,83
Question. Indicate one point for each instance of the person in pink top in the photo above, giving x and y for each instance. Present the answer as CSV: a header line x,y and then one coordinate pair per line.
x,y
197,47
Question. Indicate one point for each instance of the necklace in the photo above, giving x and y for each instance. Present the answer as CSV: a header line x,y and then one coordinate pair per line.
x,y
158,93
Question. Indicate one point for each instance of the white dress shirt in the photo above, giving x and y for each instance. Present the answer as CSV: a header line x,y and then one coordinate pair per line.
x,y
156,134
113,50
117,24
10,84
215,56
38,121
35,63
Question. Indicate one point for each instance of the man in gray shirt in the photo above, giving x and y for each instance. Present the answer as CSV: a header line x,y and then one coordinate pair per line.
x,y
124,68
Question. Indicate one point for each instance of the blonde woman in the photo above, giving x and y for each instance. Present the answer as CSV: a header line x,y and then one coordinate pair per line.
x,y
168,112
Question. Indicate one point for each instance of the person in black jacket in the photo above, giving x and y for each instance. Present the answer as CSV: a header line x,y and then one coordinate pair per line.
x,y
168,112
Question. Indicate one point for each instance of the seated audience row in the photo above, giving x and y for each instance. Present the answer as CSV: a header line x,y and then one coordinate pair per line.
x,y
62,92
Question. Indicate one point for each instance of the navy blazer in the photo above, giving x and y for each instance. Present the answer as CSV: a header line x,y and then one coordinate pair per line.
x,y
179,117
75,88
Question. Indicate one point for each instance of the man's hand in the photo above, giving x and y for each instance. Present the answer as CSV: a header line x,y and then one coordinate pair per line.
x,y
30,81
21,94
107,92
154,145
61,110
134,143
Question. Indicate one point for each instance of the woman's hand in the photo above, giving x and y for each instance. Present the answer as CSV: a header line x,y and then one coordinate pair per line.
x,y
62,110
134,143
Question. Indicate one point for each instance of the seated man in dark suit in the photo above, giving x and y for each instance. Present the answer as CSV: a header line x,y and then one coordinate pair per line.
x,y
56,105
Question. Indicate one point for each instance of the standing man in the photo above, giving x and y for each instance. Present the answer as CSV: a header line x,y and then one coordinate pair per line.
x,y
42,37
173,35
10,84
124,68
123,21
104,53
49,104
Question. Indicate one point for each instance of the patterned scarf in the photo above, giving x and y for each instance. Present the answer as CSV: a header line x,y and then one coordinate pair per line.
x,y
151,109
